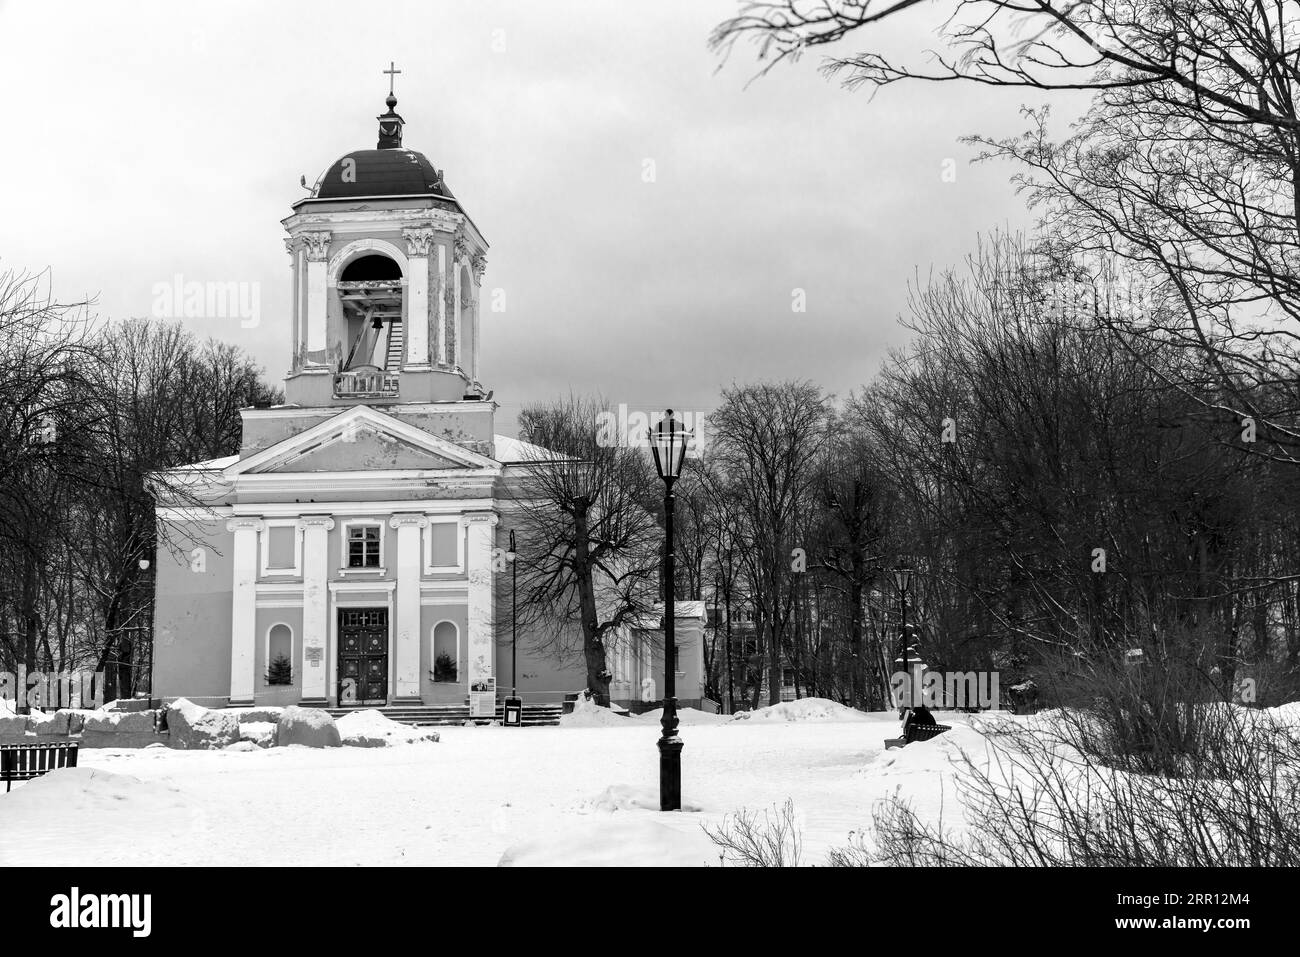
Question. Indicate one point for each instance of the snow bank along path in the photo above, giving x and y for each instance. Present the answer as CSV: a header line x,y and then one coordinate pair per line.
x,y
546,795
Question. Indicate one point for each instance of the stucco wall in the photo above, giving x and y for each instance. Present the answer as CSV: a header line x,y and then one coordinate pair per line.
x,y
192,616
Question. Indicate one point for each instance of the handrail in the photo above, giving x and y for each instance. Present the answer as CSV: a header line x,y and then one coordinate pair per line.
x,y
371,381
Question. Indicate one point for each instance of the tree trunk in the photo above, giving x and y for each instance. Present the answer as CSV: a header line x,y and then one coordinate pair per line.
x,y
593,647
773,664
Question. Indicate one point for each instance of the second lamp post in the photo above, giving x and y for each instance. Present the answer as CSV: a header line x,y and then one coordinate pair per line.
x,y
902,579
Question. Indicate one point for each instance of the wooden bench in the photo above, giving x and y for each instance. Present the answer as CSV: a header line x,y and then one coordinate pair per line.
x,y
22,762
917,732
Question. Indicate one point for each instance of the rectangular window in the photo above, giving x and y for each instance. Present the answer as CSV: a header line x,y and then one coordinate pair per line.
x,y
363,546
443,542
281,547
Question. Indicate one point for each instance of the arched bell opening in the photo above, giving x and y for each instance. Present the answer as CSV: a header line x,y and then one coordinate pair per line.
x,y
370,292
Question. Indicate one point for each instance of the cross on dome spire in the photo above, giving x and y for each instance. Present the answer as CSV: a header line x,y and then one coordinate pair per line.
x,y
390,123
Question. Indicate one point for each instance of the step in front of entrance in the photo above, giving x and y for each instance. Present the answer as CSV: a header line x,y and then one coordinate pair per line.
x,y
449,715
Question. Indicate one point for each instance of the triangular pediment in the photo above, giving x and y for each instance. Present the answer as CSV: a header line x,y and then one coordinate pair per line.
x,y
361,440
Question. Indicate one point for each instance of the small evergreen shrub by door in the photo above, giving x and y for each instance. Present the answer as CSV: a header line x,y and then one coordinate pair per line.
x,y
444,668
280,671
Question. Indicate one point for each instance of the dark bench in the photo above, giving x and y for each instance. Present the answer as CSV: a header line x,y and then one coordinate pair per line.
x,y
22,762
917,732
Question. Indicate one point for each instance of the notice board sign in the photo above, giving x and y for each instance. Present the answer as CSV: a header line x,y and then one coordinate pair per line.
x,y
483,698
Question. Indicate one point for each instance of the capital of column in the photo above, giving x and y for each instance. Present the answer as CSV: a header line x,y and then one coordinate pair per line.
x,y
289,243
419,240
316,521
318,245
478,265
249,524
408,520
490,519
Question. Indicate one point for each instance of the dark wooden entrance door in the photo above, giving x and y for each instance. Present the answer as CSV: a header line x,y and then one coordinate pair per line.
x,y
363,656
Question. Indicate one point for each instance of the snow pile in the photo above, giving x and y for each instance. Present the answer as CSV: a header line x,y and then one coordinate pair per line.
x,y
624,828
1286,715
620,841
587,714
621,797
65,816
686,717
371,729
804,709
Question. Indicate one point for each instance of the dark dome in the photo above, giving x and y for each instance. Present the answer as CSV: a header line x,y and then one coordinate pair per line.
x,y
391,172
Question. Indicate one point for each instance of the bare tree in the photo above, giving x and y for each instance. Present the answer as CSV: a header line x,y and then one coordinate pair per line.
x,y
590,541
85,417
1186,168
853,501
768,439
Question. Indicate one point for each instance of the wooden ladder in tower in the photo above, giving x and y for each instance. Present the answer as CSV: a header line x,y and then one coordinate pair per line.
x,y
396,340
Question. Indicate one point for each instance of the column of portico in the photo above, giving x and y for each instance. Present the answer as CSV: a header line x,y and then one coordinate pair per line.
x,y
443,286
243,617
479,264
315,606
317,246
406,631
481,605
418,244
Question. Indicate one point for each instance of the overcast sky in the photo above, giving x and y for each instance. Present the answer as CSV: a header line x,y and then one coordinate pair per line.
x,y
146,140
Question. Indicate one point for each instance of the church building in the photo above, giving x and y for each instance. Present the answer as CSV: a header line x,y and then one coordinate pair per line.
x,y
351,553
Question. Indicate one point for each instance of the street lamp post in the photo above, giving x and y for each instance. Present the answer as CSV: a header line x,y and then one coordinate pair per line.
x,y
512,710
902,579
668,441
511,556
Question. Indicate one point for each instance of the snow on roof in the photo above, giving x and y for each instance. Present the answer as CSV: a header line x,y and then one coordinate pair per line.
x,y
517,450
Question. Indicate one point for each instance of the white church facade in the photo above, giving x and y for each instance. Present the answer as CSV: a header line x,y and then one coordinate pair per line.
x,y
351,553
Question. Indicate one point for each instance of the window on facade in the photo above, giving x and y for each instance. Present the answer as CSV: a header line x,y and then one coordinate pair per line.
x,y
363,546
281,547
444,542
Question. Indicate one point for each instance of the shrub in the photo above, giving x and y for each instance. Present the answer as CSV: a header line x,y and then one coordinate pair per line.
x,y
444,668
747,840
280,671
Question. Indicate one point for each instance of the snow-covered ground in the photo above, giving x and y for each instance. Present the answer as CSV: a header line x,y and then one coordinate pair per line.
x,y
534,795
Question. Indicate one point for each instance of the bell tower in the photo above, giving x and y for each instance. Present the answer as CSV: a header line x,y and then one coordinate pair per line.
x,y
387,270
